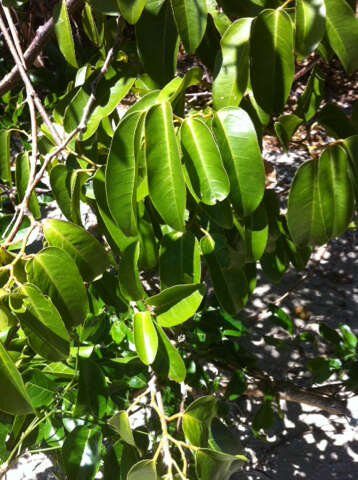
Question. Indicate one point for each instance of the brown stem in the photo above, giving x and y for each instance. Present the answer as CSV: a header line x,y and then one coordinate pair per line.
x,y
43,35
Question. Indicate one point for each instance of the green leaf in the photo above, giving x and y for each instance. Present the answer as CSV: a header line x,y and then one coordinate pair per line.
x,y
42,324
56,274
309,101
120,423
78,178
285,128
221,213
129,282
64,33
145,337
118,461
89,255
16,401
159,56
22,175
74,110
349,338
351,146
335,121
272,61
203,161
41,389
81,453
90,27
237,140
320,203
92,391
190,17
197,419
59,181
231,82
107,7
342,32
229,280
310,25
131,9
109,94
179,259
216,465
143,470
121,175
256,233
165,176
170,359
175,305
5,171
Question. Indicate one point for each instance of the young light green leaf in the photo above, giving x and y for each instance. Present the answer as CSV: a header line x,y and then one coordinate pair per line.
x,y
5,170
197,419
120,423
64,33
129,282
16,401
168,359
145,337
121,175
159,56
179,259
22,174
342,32
90,257
175,305
272,61
237,140
320,203
56,274
229,280
231,82
310,25
42,324
203,161
165,176
143,470
81,453
190,17
92,391
131,9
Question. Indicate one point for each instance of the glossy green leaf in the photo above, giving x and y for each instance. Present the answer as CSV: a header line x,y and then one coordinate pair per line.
x,y
56,274
197,419
109,94
231,82
107,7
16,401
59,182
159,56
143,470
22,174
285,128
210,45
179,259
190,18
228,277
275,263
256,233
120,423
81,453
92,390
5,171
131,9
41,389
42,324
121,175
177,304
342,32
237,140
320,203
203,162
64,33
89,255
90,27
309,101
272,61
310,25
74,110
216,465
118,461
77,180
165,177
129,282
221,213
145,337
144,103
351,146
170,359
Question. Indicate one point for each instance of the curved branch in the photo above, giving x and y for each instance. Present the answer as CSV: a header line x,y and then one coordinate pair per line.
x,y
43,35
